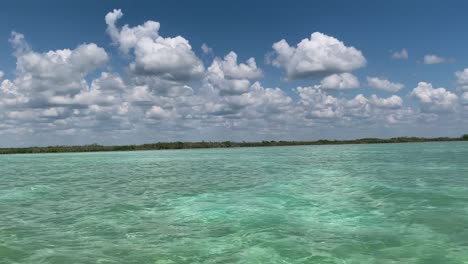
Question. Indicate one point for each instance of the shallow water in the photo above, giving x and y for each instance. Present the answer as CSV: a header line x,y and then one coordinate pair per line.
x,y
388,203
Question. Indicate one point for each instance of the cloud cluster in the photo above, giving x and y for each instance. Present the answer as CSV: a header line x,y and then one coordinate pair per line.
x,y
229,77
166,91
54,79
435,100
316,104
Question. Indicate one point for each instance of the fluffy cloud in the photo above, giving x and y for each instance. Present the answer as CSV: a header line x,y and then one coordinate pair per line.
x,y
10,96
317,104
60,71
462,79
319,56
105,90
229,77
433,59
127,38
392,102
167,58
400,55
257,103
42,76
1,75
50,91
341,81
82,60
269,103
384,84
435,100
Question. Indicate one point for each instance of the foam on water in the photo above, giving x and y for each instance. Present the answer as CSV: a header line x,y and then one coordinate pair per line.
x,y
401,203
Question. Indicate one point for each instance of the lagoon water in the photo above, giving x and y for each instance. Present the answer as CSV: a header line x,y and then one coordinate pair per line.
x,y
388,203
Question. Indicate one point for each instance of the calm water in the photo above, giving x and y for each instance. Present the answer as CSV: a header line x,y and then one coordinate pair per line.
x,y
391,203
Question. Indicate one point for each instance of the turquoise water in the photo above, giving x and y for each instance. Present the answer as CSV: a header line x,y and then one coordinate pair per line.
x,y
389,203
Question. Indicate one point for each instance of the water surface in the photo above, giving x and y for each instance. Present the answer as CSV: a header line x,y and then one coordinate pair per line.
x,y
388,203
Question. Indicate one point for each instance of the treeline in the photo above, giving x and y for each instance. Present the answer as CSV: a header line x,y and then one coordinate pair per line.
x,y
224,144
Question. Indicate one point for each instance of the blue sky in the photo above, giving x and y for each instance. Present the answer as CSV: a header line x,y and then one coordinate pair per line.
x,y
377,29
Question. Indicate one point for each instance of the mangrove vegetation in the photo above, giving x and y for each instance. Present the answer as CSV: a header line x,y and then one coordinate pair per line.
x,y
224,144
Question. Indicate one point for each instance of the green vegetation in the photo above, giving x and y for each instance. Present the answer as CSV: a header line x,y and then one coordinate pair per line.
x,y
225,144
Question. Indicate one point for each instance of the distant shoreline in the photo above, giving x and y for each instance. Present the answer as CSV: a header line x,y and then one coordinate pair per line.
x,y
224,144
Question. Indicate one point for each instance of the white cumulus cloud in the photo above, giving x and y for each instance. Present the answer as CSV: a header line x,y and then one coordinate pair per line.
x,y
339,81
384,84
167,58
392,102
230,77
433,59
56,72
435,100
319,56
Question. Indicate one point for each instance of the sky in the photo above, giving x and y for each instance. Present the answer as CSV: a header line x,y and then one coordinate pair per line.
x,y
120,72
